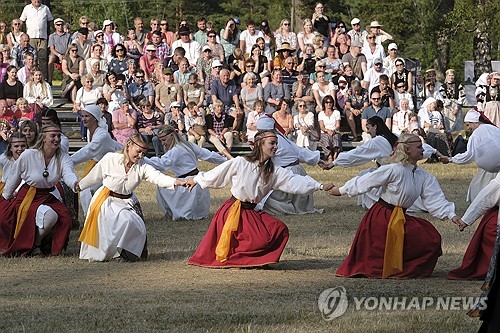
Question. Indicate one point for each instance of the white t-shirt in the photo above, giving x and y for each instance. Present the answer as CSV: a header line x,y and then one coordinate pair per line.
x,y
330,121
250,40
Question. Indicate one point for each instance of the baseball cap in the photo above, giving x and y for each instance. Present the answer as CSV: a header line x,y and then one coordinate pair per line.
x,y
355,21
392,46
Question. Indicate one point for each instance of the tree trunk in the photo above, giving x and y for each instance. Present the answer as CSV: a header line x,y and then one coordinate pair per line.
x,y
443,50
482,43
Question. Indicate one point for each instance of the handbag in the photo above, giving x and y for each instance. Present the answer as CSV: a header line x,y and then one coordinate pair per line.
x,y
198,129
314,134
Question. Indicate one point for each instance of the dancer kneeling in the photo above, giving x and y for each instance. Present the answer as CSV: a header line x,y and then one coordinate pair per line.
x,y
182,159
388,242
239,236
114,226
35,221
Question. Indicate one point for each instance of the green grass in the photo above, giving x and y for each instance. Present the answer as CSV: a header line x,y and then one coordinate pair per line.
x,y
165,294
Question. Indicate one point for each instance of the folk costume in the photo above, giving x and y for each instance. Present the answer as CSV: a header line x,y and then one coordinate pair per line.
x,y
239,236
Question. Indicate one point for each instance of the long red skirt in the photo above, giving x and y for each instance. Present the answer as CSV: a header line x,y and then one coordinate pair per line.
x,y
259,240
25,240
477,257
421,250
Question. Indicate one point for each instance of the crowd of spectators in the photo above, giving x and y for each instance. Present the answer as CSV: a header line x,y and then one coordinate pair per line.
x,y
213,77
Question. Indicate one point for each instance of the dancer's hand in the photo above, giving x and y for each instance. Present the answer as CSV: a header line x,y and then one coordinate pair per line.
x,y
335,191
458,221
444,159
328,186
190,183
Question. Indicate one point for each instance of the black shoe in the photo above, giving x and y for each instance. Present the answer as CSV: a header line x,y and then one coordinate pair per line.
x,y
358,138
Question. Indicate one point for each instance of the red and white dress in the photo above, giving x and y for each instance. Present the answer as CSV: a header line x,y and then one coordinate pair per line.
x,y
260,238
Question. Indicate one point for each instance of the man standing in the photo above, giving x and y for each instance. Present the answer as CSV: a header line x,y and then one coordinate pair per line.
x,y
36,18
357,34
58,45
19,51
356,59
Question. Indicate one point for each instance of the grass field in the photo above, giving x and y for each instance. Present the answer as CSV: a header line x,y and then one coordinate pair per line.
x,y
165,294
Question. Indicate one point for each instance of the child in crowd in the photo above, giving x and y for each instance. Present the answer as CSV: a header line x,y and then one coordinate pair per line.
x,y
103,104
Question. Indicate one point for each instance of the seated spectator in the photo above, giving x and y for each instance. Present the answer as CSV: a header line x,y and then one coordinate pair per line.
x,y
37,90
204,63
97,54
261,65
236,63
230,37
148,60
217,49
251,92
148,123
167,92
303,122
356,60
401,119
19,51
320,66
253,117
173,61
192,47
224,90
284,118
275,92
98,76
86,95
375,109
356,103
321,89
219,129
119,58
401,94
132,45
103,104
329,124
372,75
175,117
308,61
140,89
289,73
341,92
302,89
24,73
124,120
429,116
193,92
58,45
342,47
333,65
249,37
284,51
430,91
11,88
83,43
162,50
194,122
402,75
181,76
372,51
24,111
73,67
115,90
386,92
30,130
214,75
285,34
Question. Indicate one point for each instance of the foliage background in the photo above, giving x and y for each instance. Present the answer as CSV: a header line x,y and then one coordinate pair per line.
x,y
416,25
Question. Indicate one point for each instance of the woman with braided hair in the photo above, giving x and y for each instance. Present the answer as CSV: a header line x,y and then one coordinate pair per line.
x,y
239,236
400,245
114,226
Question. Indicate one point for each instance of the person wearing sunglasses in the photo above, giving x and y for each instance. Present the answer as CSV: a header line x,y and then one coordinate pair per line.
x,y
140,90
14,36
119,59
285,34
217,49
375,109
58,45
372,50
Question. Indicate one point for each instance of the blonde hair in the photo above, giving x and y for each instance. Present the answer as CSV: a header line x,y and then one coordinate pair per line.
x,y
400,154
134,139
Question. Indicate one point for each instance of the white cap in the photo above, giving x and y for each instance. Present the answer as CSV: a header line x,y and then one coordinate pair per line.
x,y
106,22
97,32
216,63
341,78
175,103
265,123
472,116
206,47
58,20
392,46
355,21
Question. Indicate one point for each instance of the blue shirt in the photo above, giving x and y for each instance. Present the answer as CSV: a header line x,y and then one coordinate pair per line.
x,y
383,113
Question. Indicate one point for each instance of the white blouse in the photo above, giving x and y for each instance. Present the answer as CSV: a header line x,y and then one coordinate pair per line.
x,y
30,167
182,159
6,163
487,198
248,185
110,170
100,145
401,185
34,93
483,147
288,153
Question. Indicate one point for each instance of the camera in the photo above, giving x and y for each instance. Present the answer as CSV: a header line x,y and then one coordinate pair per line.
x,y
334,25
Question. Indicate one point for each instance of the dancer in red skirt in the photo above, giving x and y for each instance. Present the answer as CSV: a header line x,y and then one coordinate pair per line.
x,y
388,242
239,236
478,255
43,223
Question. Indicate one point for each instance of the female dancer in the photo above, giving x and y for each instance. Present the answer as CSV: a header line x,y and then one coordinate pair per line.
x,y
100,143
401,246
114,226
36,221
239,236
182,159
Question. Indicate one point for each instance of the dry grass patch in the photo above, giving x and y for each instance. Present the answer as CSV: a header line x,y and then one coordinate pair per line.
x,y
165,294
